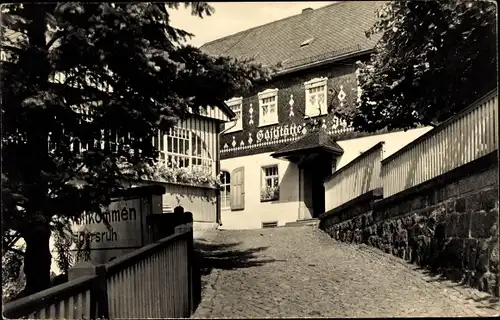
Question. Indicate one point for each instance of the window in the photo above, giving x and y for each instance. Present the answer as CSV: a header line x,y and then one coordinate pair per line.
x,y
182,148
225,192
316,97
268,105
270,184
236,104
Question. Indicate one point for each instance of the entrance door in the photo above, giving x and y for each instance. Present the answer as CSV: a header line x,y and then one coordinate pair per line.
x,y
315,172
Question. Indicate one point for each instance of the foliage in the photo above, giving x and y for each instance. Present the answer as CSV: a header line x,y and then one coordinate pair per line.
x,y
85,88
13,279
433,59
194,176
270,193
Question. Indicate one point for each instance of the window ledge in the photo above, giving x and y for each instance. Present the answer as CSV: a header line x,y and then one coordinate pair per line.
x,y
306,117
225,209
269,200
261,125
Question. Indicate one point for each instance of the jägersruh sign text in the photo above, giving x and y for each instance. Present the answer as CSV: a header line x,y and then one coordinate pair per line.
x,y
122,230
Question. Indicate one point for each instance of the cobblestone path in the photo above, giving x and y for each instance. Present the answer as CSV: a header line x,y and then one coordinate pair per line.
x,y
302,272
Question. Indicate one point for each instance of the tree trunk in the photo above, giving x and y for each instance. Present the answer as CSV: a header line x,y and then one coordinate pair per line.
x,y
37,258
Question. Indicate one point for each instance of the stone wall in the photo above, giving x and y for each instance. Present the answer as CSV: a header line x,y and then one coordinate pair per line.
x,y
448,224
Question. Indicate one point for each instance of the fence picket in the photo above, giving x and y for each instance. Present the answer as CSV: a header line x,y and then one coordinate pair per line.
x,y
457,141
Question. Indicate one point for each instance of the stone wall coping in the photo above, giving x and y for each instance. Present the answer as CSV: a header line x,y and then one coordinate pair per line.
x,y
374,194
474,167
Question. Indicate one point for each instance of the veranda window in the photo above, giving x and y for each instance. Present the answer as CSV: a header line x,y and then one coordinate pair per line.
x,y
182,148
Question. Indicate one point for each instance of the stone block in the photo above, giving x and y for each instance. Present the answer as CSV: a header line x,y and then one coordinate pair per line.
x,y
451,225
388,212
470,253
486,178
488,282
460,205
488,199
484,224
464,185
464,224
450,206
493,247
430,197
482,257
403,207
472,202
453,253
416,203
426,211
451,190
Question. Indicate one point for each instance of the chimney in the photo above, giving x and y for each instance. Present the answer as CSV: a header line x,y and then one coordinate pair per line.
x,y
307,10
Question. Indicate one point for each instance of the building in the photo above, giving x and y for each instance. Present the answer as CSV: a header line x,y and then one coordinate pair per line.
x,y
272,163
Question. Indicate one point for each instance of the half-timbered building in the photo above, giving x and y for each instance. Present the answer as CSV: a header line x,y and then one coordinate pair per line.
x,y
272,164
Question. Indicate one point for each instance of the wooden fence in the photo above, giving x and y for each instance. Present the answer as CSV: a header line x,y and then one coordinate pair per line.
x,y
356,178
155,281
461,139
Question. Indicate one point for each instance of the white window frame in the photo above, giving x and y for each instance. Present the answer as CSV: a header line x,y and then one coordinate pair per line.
x,y
274,178
312,110
184,156
272,118
225,198
236,104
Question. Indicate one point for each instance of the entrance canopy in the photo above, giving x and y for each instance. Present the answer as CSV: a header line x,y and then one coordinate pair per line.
x,y
314,143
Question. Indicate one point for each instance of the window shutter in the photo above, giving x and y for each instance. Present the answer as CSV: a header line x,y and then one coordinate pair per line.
x,y
238,189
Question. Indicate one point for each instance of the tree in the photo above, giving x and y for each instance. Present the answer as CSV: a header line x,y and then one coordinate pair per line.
x,y
433,59
85,88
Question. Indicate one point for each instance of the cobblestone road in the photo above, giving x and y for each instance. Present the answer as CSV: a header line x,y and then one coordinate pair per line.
x,y
302,272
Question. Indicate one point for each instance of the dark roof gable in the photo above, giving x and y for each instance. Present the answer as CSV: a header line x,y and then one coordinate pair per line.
x,y
332,31
313,140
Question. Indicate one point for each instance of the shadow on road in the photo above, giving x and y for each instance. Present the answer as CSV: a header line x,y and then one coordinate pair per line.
x,y
226,256
209,256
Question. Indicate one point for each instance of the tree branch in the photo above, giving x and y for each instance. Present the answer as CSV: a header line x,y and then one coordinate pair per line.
x,y
19,252
53,40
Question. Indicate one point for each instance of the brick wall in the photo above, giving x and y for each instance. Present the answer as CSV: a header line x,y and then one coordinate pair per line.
x,y
448,224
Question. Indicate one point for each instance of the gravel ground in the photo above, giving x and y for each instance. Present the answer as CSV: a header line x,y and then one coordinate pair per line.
x,y
302,272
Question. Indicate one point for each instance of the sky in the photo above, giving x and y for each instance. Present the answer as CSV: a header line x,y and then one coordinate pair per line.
x,y
233,17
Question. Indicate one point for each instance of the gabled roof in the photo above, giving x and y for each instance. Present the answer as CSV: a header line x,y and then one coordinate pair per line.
x,y
315,140
331,31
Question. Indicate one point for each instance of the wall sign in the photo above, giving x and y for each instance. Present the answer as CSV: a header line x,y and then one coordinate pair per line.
x,y
124,218
279,132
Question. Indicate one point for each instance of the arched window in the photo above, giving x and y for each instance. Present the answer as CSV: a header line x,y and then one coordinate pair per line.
x,y
225,193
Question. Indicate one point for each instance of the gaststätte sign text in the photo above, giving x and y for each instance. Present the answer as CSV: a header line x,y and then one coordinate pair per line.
x,y
293,130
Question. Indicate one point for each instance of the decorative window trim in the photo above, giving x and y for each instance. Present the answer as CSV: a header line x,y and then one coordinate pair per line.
x,y
239,123
314,83
269,93
273,193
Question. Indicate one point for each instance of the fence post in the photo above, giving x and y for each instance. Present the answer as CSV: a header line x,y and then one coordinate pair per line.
x,y
189,220
101,292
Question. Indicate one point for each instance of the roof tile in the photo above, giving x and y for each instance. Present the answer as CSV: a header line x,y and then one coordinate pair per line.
x,y
337,29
